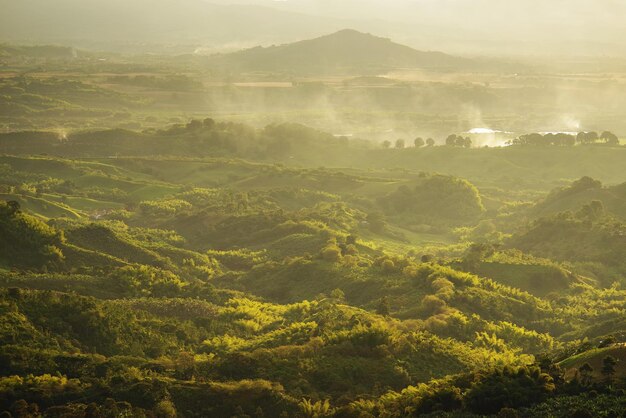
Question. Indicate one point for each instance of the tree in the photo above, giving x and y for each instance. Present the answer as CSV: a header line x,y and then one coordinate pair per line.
x,y
388,265
592,137
165,409
331,252
315,410
376,221
587,137
475,254
467,142
400,143
608,341
384,307
530,139
386,144
608,368
418,142
432,305
567,140
194,125
592,211
451,140
610,138
208,123
21,408
508,388
185,365
586,374
430,142
338,295
13,206
351,239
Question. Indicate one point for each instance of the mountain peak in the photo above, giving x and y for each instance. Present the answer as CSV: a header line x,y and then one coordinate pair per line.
x,y
345,51
349,32
350,35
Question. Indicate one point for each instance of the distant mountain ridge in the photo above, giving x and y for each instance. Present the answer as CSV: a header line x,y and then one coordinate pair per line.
x,y
345,50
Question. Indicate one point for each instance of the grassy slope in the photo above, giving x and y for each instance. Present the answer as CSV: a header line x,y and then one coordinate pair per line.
x,y
594,357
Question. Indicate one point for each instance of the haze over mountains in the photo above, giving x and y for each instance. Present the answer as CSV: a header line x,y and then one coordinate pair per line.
x,y
346,50
138,24
478,27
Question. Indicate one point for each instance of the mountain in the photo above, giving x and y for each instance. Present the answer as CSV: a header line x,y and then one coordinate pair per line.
x,y
344,51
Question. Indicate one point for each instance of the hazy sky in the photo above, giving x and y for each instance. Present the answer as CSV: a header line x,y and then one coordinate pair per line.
x,y
569,27
492,20
453,10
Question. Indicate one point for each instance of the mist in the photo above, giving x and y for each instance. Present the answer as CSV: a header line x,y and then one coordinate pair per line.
x,y
483,27
312,208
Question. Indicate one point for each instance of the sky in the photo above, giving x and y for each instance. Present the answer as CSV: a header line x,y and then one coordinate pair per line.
x,y
467,27
571,26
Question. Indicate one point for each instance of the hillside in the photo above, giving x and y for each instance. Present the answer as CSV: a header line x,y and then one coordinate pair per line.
x,y
147,272
346,51
302,209
514,167
276,289
581,192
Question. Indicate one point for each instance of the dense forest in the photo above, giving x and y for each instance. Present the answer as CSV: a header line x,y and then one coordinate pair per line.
x,y
215,269
341,226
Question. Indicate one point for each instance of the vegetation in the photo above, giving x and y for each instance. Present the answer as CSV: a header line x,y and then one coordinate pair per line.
x,y
315,229
178,279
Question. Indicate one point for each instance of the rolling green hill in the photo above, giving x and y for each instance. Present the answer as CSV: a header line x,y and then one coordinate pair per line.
x,y
582,192
151,283
594,358
513,167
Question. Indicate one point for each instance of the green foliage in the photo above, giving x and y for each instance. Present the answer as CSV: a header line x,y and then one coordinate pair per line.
x,y
509,388
26,241
608,367
164,207
191,285
436,198
581,237
146,280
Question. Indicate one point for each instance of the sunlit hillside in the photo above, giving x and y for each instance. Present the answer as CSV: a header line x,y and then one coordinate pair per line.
x,y
312,209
